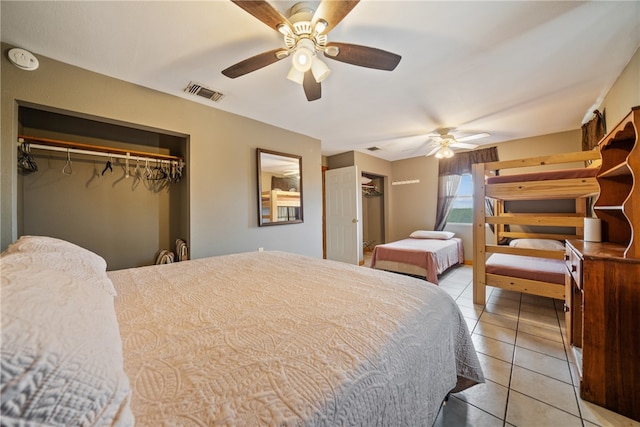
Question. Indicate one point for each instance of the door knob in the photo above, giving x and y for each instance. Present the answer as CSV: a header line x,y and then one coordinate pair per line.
x,y
354,220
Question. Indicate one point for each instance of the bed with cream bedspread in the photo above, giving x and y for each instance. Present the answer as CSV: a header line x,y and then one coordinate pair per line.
x,y
249,339
271,338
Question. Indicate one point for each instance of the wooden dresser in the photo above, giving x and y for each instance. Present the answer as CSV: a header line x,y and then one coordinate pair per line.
x,y
603,323
602,285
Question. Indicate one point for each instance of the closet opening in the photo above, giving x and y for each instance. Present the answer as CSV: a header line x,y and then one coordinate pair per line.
x,y
373,230
118,189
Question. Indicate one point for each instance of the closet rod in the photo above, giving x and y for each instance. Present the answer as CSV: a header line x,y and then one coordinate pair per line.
x,y
96,153
46,144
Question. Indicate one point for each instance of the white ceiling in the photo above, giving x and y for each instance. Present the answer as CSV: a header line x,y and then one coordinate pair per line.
x,y
512,68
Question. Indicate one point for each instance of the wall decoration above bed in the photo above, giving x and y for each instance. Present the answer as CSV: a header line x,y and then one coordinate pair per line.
x,y
279,188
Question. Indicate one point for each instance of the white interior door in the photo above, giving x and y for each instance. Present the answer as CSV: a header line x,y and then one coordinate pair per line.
x,y
344,210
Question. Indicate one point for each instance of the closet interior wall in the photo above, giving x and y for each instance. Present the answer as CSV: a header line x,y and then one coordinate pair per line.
x,y
126,220
373,232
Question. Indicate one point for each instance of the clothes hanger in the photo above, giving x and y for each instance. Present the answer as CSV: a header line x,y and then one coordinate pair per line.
x,y
147,170
25,161
107,166
67,169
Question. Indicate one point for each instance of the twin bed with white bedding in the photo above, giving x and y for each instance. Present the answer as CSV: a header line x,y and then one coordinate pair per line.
x,y
263,338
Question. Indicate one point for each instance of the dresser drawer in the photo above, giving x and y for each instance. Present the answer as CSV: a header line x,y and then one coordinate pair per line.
x,y
574,265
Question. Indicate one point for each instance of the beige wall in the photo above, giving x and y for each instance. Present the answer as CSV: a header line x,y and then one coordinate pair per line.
x,y
624,94
222,159
561,142
414,206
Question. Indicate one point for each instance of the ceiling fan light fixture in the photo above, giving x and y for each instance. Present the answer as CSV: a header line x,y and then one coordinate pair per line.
x,y
444,152
302,59
319,69
296,75
303,56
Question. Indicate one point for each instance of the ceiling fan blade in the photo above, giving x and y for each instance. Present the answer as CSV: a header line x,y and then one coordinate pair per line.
x,y
459,144
433,151
332,12
472,137
254,63
312,88
364,56
263,11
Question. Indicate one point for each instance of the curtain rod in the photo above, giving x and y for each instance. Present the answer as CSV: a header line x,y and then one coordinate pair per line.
x,y
92,150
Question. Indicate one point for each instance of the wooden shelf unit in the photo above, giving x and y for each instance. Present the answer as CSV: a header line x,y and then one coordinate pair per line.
x,y
618,203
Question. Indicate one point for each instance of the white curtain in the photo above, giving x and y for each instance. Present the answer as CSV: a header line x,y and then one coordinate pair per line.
x,y
447,190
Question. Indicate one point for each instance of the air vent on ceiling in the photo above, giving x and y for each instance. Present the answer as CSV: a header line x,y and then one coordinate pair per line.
x,y
373,148
203,91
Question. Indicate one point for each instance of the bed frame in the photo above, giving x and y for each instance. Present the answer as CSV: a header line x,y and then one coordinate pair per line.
x,y
578,189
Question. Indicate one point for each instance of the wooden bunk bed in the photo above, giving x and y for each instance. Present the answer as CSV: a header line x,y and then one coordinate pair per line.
x,y
272,200
569,180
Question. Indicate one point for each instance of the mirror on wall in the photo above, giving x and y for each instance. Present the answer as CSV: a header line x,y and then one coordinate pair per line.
x,y
279,188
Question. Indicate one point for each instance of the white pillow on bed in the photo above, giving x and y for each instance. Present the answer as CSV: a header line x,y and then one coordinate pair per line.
x,y
64,256
426,234
547,244
62,361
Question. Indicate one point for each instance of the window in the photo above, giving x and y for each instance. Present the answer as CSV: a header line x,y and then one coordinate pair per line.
x,y
462,209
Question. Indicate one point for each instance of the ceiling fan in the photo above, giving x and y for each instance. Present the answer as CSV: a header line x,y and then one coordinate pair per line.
x,y
305,36
443,142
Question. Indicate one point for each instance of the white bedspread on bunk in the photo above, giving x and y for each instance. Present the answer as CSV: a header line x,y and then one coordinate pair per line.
x,y
434,256
270,338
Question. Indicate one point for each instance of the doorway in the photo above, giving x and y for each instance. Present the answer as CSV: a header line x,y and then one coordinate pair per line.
x,y
373,230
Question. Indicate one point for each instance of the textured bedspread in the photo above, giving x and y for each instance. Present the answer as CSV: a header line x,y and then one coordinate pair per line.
x,y
432,255
270,338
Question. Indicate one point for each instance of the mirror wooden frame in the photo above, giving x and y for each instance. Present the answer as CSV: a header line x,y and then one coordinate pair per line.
x,y
276,205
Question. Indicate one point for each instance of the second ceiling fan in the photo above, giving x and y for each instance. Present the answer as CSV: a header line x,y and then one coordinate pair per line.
x,y
305,36
443,142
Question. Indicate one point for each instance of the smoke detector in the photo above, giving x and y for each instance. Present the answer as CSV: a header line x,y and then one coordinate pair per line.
x,y
203,91
23,59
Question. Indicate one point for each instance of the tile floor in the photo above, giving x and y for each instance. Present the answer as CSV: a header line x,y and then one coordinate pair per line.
x,y
531,379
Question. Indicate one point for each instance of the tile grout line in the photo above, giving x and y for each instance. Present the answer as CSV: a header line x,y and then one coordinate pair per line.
x,y
513,359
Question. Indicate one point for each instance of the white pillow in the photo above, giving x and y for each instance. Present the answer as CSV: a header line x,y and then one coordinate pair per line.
x,y
537,244
64,256
45,244
425,234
